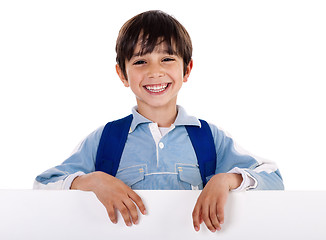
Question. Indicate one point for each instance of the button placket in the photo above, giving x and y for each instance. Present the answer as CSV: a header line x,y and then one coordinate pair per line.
x,y
160,147
153,127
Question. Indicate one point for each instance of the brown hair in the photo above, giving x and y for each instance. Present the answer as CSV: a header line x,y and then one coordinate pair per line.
x,y
153,27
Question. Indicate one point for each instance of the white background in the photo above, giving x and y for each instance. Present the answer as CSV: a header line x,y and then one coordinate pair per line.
x,y
259,68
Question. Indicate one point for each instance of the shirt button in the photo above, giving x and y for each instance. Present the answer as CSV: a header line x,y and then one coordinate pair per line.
x,y
161,145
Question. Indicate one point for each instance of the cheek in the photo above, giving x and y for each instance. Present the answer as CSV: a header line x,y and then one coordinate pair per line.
x,y
175,71
134,80
180,71
179,76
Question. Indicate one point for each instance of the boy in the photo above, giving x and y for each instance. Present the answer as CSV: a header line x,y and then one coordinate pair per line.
x,y
154,59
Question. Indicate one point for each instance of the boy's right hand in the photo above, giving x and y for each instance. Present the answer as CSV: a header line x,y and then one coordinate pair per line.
x,y
113,194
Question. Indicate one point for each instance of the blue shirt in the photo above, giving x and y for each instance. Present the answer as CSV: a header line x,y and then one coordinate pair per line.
x,y
152,161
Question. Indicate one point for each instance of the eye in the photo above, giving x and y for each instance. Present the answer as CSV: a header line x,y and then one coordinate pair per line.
x,y
139,62
168,59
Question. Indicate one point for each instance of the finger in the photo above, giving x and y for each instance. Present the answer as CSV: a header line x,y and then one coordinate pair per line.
x,y
201,220
196,217
112,213
220,214
124,213
139,202
206,218
132,210
213,217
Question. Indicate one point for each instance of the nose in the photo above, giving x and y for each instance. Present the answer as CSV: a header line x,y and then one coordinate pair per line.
x,y
155,70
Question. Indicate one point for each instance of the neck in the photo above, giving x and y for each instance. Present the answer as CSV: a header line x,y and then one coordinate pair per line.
x,y
163,116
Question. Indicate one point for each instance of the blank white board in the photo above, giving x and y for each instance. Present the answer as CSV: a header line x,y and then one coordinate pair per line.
x,y
39,214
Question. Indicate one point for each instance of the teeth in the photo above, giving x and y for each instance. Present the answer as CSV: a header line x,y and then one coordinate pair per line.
x,y
156,88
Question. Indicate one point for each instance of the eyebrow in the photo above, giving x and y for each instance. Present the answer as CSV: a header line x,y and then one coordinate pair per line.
x,y
165,51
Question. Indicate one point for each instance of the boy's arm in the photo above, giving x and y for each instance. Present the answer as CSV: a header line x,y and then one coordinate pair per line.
x,y
257,173
82,161
236,170
78,172
62,183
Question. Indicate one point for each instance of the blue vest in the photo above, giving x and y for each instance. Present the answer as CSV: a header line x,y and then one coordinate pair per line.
x,y
115,135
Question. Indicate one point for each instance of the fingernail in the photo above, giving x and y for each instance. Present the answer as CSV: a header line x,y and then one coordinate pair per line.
x,y
129,224
136,222
145,212
196,229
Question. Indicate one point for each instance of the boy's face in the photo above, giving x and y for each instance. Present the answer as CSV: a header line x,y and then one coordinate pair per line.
x,y
155,78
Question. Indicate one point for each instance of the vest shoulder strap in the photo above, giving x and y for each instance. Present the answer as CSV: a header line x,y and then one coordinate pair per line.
x,y
111,145
203,143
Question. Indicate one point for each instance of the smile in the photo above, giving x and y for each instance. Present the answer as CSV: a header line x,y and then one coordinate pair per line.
x,y
157,88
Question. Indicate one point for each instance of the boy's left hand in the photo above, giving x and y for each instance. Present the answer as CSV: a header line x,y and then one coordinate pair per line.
x,y
210,203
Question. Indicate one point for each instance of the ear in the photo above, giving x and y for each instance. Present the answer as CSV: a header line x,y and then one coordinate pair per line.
x,y
121,75
188,70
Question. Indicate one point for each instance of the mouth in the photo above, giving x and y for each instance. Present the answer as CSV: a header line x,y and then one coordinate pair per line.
x,y
157,88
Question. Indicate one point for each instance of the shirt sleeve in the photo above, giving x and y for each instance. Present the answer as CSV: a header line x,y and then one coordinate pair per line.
x,y
82,161
257,173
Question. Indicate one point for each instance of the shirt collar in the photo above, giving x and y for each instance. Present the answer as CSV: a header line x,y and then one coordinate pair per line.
x,y
182,119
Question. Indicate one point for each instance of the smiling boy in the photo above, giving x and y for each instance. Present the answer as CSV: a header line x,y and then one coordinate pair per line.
x,y
154,59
